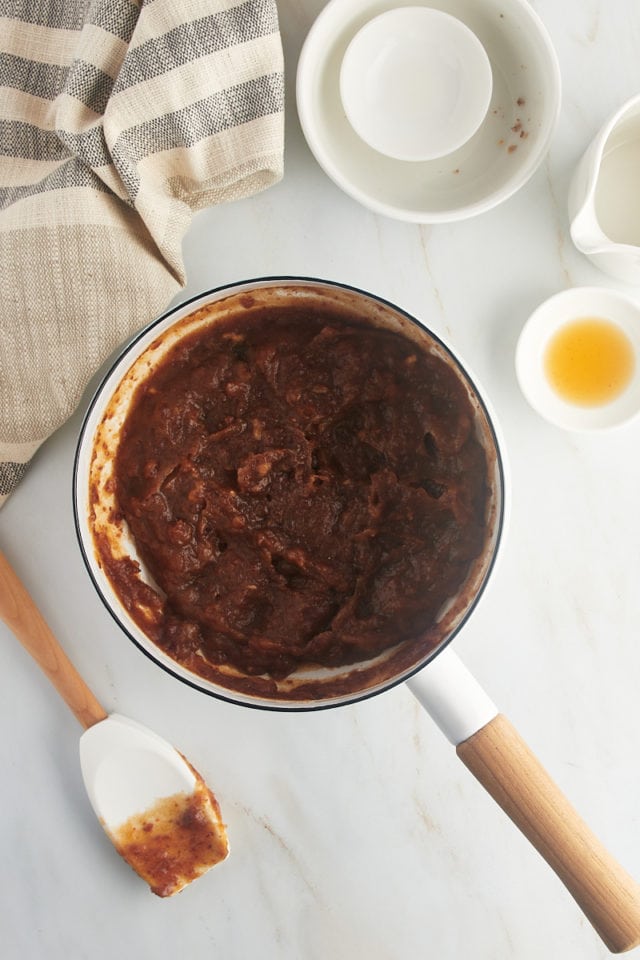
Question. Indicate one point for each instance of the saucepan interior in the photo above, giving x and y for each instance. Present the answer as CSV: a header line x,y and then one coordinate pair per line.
x,y
108,547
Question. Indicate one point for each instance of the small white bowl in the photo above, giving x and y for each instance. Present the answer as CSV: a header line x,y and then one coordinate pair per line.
x,y
535,338
415,83
500,157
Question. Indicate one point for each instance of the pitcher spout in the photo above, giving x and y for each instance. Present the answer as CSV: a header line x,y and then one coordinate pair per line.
x,y
604,196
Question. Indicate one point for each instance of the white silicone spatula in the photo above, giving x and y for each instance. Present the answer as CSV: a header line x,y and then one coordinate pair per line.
x,y
149,799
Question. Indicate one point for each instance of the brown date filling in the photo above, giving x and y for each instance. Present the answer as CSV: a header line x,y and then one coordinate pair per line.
x,y
303,489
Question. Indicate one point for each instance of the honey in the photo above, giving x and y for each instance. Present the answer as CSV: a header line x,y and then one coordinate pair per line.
x,y
589,361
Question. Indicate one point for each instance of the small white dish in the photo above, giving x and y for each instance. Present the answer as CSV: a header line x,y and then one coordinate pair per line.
x,y
415,83
537,337
500,157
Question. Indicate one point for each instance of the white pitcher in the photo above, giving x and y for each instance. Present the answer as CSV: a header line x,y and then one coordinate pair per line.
x,y
604,196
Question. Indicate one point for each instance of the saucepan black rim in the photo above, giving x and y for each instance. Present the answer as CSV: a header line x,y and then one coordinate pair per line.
x,y
220,693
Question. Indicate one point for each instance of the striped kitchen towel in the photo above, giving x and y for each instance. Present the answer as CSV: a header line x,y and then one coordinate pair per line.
x,y
118,120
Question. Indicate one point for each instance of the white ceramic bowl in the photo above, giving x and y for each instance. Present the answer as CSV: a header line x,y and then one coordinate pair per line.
x,y
554,314
500,157
415,83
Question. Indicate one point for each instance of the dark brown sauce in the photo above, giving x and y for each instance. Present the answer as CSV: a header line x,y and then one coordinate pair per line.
x,y
303,488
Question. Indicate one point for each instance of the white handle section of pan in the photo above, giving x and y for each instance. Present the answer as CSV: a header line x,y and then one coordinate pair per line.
x,y
453,697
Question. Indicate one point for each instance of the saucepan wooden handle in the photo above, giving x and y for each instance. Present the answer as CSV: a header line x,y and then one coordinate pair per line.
x,y
25,621
497,756
505,766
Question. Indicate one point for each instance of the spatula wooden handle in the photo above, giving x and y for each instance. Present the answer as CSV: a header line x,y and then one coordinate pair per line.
x,y
499,758
23,618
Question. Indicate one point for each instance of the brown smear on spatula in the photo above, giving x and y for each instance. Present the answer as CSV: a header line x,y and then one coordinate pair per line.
x,y
175,841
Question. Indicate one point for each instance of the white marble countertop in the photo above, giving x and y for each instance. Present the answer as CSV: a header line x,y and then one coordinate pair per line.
x,y
357,832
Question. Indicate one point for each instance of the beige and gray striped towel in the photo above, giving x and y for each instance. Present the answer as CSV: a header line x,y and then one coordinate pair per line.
x,y
118,119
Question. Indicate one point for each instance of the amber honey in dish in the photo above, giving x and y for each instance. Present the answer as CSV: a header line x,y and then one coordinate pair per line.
x,y
589,361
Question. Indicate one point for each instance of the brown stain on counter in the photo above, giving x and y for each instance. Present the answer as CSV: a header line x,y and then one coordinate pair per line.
x,y
277,837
